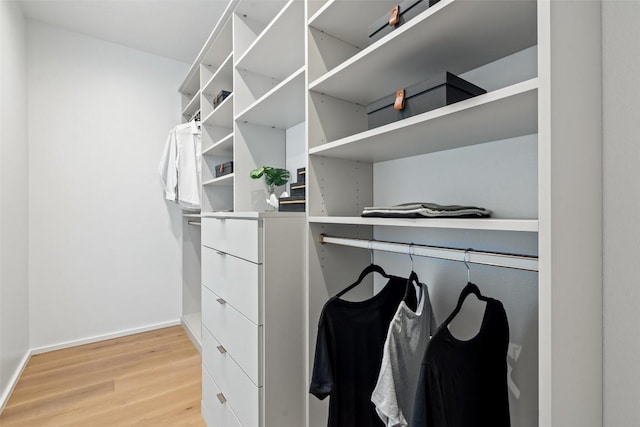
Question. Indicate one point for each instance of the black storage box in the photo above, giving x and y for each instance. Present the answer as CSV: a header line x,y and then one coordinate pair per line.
x,y
398,15
298,189
421,97
224,169
302,174
292,204
217,100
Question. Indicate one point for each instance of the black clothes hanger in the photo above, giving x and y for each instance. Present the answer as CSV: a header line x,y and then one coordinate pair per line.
x,y
371,268
470,288
410,298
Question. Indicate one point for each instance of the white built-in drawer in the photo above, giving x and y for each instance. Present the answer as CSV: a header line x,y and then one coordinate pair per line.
x,y
242,395
235,280
217,413
241,337
239,237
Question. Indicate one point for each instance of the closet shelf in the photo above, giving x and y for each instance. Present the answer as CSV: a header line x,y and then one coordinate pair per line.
x,y
501,114
223,181
191,83
330,19
191,216
252,215
222,116
192,80
264,57
220,46
222,148
486,224
461,34
222,78
260,11
192,106
281,107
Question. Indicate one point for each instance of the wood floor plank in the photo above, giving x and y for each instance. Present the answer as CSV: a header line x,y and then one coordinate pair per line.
x,y
116,365
134,413
104,351
148,379
128,389
120,343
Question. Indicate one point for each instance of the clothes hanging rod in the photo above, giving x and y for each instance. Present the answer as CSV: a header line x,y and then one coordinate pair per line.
x,y
496,259
196,223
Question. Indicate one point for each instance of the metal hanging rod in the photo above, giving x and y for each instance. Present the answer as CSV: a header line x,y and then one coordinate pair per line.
x,y
496,259
196,223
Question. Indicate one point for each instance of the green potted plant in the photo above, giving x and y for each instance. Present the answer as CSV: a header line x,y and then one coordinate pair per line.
x,y
273,177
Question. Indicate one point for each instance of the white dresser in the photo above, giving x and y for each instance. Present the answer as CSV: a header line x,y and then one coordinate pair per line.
x,y
253,319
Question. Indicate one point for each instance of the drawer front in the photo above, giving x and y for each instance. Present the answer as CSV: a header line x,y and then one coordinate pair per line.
x,y
215,412
239,237
239,336
242,395
235,280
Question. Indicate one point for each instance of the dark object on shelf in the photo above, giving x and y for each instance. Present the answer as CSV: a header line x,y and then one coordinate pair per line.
x,y
292,204
302,174
217,100
298,189
444,89
398,15
425,210
224,169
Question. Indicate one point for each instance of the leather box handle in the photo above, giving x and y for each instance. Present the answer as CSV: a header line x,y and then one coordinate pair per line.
x,y
400,99
394,16
221,168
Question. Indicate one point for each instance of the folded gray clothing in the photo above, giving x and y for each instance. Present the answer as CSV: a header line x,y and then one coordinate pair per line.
x,y
428,210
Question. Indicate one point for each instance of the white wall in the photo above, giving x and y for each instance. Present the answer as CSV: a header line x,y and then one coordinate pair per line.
x,y
14,320
104,247
621,155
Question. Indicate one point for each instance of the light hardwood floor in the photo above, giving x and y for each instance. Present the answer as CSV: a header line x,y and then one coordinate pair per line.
x,y
147,379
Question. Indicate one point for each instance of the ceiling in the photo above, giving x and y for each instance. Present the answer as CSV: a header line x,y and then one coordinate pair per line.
x,y
175,29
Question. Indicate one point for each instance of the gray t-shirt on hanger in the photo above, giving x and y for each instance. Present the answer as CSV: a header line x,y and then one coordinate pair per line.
x,y
407,338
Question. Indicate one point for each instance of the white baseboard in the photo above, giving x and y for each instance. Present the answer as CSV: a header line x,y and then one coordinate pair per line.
x,y
104,337
194,335
4,398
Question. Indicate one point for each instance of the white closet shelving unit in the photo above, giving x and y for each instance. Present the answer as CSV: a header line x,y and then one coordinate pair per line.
x,y
257,52
191,277
302,73
210,73
351,166
190,92
269,86
191,317
217,123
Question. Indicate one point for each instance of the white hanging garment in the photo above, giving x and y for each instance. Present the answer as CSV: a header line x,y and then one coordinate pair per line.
x,y
404,348
168,167
181,165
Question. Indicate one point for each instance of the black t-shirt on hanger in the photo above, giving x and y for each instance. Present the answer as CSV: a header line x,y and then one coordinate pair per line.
x,y
348,354
464,383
